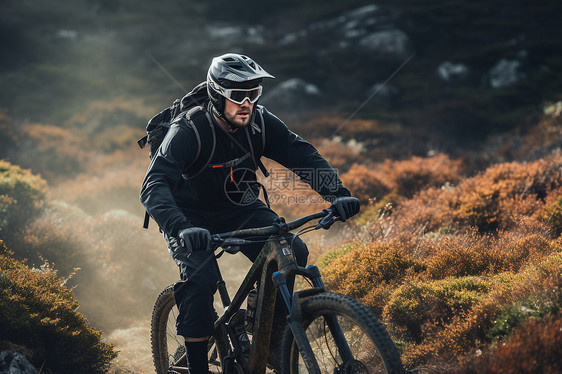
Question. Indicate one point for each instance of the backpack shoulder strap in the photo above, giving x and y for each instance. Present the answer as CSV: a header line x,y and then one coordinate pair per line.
x,y
262,127
205,132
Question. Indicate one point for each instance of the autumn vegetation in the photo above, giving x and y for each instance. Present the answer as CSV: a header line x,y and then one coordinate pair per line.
x,y
456,249
462,265
464,271
38,314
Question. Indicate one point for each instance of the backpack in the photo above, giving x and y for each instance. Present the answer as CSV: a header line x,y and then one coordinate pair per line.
x,y
158,127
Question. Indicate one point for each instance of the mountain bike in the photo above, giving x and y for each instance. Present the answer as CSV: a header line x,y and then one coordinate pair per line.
x,y
325,332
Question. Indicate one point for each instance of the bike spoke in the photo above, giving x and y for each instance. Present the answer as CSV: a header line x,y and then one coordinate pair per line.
x,y
365,355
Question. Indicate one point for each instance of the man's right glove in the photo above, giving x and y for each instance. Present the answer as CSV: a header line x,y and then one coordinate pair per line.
x,y
346,207
195,239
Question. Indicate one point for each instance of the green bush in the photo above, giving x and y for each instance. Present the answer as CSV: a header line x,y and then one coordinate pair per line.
x,y
418,302
22,197
37,311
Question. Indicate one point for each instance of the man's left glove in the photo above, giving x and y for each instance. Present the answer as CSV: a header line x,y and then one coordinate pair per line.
x,y
346,207
195,239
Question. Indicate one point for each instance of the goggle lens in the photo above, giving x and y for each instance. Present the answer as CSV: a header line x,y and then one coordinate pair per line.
x,y
239,95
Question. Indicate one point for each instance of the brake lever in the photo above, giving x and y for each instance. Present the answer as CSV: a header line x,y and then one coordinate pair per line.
x,y
232,249
328,220
229,245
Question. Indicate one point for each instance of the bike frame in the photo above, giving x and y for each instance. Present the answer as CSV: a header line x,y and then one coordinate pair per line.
x,y
273,266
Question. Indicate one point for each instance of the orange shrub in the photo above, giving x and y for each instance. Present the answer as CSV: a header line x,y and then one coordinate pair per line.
x,y
462,255
365,183
473,254
468,331
428,211
551,212
535,347
497,198
408,177
364,271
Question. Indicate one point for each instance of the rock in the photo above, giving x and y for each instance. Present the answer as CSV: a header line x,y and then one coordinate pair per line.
x,y
14,363
368,28
383,93
505,73
452,72
392,42
229,34
290,95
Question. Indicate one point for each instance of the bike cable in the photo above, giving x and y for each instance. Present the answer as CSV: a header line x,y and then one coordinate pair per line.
x,y
299,233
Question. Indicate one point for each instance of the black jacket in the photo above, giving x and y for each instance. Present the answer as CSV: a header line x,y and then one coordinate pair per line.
x,y
170,199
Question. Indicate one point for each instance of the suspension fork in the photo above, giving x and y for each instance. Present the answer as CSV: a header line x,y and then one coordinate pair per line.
x,y
313,273
294,320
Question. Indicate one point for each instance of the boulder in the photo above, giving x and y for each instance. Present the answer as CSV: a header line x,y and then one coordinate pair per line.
x,y
14,363
291,95
391,42
369,28
505,73
229,34
451,72
383,93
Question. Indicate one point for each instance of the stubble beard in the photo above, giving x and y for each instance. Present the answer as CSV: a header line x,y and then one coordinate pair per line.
x,y
235,121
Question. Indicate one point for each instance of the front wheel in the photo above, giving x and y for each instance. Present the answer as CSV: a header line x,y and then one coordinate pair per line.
x,y
345,337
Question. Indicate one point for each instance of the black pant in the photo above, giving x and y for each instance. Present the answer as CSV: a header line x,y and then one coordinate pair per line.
x,y
195,298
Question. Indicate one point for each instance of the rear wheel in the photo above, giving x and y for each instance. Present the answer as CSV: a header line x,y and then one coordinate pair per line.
x,y
168,348
345,337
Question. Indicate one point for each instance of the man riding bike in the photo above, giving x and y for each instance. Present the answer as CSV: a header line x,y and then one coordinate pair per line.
x,y
222,196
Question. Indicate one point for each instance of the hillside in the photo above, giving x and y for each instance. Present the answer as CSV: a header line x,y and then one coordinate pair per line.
x,y
442,117
462,272
478,68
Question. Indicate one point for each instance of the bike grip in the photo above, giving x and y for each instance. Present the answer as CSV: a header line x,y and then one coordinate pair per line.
x,y
231,242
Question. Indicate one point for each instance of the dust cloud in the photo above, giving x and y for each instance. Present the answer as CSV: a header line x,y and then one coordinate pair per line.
x,y
133,343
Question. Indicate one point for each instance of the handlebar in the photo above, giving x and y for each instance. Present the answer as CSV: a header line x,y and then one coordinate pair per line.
x,y
235,238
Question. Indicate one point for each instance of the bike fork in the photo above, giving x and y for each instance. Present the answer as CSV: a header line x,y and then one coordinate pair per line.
x,y
331,320
295,321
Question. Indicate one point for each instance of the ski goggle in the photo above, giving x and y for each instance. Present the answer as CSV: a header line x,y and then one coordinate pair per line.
x,y
238,95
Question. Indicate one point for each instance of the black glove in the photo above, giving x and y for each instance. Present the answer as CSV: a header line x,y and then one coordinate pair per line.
x,y
346,207
195,239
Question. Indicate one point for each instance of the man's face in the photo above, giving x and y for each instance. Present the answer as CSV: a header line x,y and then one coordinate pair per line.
x,y
238,114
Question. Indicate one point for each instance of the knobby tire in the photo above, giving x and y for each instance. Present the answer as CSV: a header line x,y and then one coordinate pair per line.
x,y
370,344
162,332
